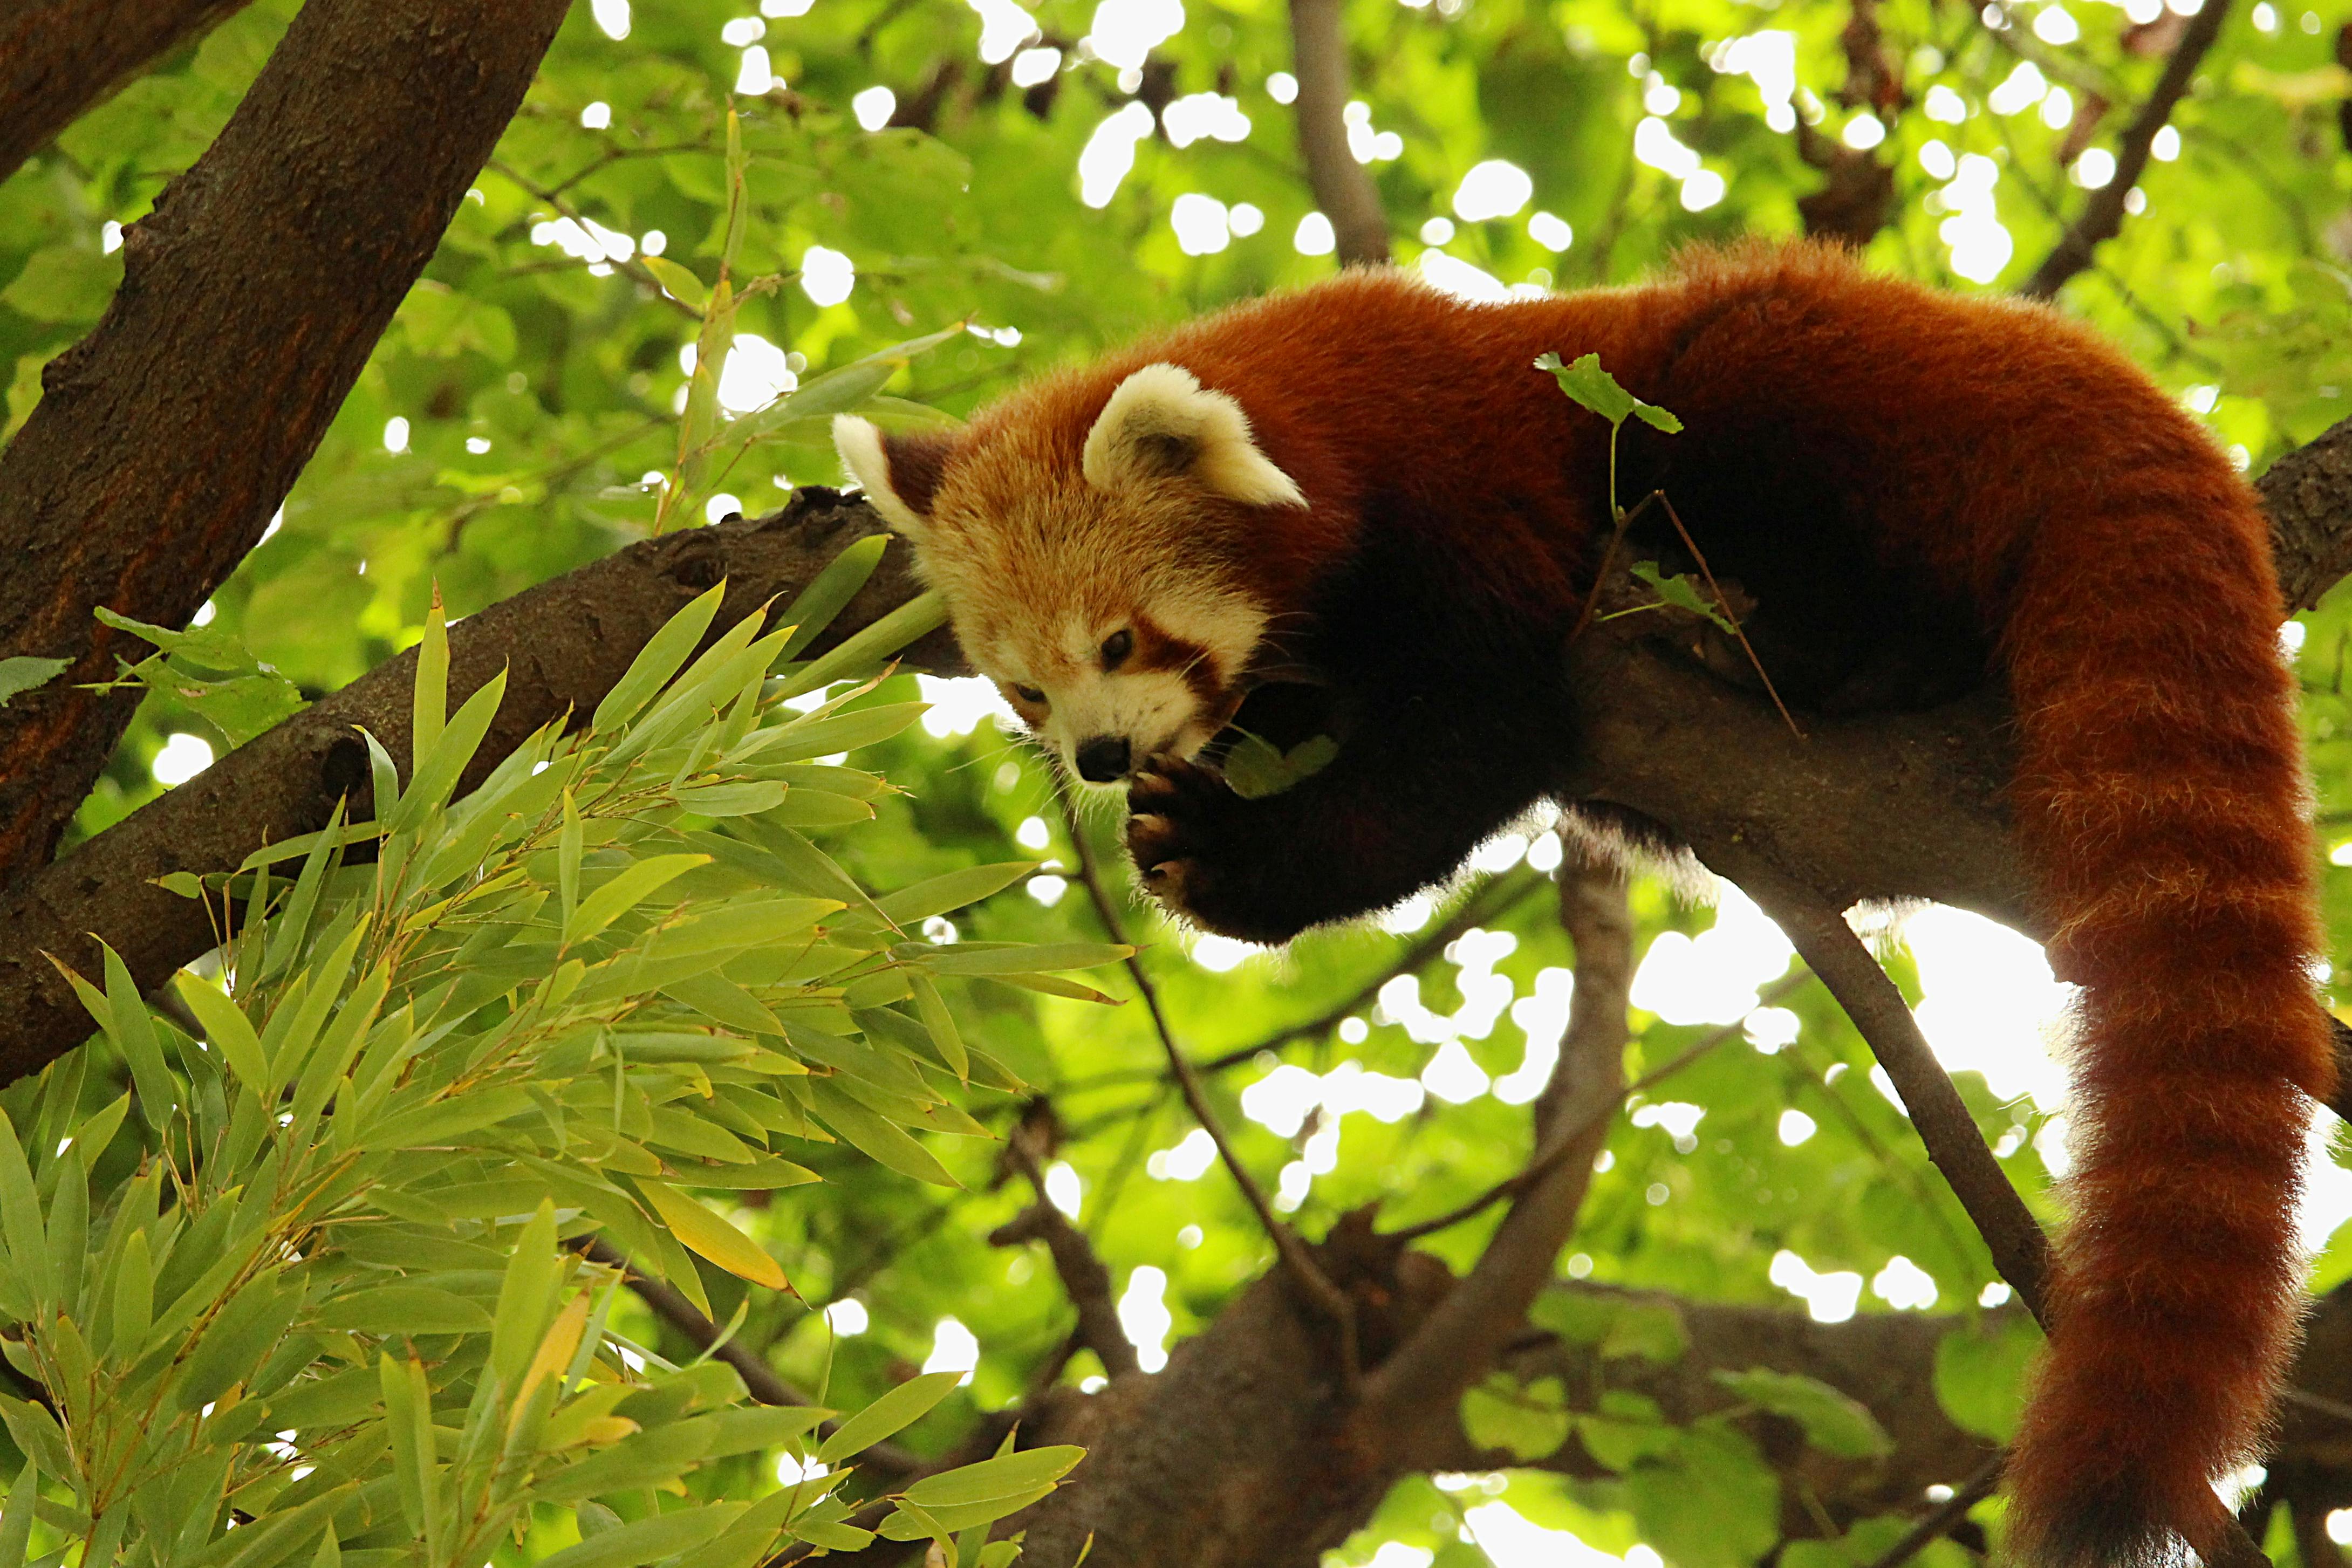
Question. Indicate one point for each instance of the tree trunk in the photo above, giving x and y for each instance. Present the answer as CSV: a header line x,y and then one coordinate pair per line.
x,y
251,298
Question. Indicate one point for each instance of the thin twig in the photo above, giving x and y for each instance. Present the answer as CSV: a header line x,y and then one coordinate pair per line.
x,y
1861,988
2101,217
1492,901
636,269
1725,605
1947,1514
1084,1279
1295,1259
759,1379
1319,50
1535,1170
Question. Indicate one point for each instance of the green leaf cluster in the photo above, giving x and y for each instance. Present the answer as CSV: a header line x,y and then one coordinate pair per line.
x,y
329,1295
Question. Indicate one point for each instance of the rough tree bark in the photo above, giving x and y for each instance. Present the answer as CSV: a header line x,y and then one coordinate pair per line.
x,y
59,57
251,298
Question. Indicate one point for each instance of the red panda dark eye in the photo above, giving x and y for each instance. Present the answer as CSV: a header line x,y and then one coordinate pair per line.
x,y
1117,647
1029,695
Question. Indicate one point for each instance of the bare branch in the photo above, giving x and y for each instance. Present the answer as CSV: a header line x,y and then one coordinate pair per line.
x,y
2309,494
1084,1279
59,59
760,1380
1286,1245
1949,1512
2102,216
1319,48
1829,945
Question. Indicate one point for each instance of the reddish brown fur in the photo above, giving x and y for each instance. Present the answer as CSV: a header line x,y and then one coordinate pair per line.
x,y
2009,485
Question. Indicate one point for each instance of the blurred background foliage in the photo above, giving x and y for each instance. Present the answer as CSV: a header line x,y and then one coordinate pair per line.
x,y
1059,178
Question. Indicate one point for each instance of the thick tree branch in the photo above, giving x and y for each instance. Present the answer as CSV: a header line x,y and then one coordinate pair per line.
x,y
2101,217
1343,188
563,645
61,57
251,298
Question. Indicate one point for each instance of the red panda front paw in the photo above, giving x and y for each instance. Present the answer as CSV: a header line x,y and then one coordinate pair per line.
x,y
1175,827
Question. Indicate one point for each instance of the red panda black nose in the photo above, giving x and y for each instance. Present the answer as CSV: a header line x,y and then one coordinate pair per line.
x,y
1102,758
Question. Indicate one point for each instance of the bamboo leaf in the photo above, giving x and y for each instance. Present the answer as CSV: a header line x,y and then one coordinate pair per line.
x,y
813,608
430,709
17,1519
20,1217
636,883
227,1029
1008,1475
525,1297
649,1540
939,894
712,1235
133,1030
901,1408
918,617
664,654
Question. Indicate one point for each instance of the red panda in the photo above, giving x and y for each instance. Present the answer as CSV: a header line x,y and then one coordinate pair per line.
x,y
1358,509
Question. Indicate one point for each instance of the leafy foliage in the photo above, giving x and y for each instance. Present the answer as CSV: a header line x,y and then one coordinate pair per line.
x,y
323,1299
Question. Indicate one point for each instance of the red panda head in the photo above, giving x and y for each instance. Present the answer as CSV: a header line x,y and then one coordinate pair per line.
x,y
1094,552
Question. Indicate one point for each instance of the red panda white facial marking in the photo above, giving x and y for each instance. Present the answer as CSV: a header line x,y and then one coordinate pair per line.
x,y
1093,594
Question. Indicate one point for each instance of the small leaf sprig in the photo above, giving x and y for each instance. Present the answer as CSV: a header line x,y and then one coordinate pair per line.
x,y
1590,386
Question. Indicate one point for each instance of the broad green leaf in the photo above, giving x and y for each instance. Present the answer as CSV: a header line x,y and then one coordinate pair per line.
x,y
1834,1422
1256,769
24,674
1680,590
1530,1421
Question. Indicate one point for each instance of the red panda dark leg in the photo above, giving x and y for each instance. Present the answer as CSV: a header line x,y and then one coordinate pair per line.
x,y
1372,829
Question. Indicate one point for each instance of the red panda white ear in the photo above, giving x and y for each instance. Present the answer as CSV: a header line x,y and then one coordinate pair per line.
x,y
1162,421
899,474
